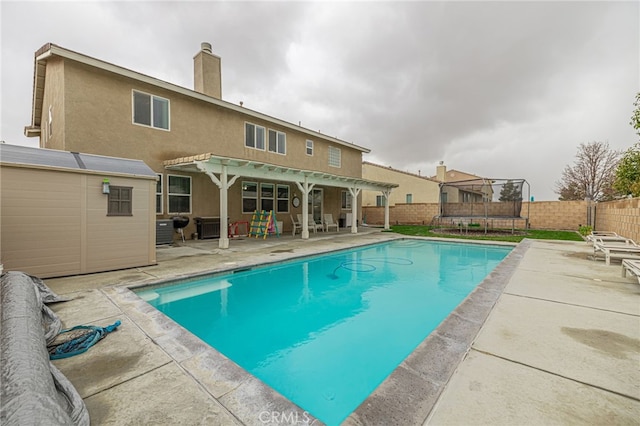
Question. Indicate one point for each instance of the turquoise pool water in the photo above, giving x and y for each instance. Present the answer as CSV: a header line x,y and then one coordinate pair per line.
x,y
325,331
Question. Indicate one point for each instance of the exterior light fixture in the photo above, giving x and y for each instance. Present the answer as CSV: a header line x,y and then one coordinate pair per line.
x,y
105,186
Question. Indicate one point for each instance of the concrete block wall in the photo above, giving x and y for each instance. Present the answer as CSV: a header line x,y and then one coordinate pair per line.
x,y
620,216
567,215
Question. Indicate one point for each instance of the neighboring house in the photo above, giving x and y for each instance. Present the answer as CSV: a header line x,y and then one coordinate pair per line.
x,y
67,213
212,157
414,188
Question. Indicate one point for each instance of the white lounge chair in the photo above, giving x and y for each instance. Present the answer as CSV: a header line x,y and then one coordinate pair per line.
x,y
630,266
626,249
605,236
311,225
329,223
316,225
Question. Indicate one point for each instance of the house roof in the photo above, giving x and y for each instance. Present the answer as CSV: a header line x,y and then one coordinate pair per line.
x,y
51,158
212,163
399,171
50,50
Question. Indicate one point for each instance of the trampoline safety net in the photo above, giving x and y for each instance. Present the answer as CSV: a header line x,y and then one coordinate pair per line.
x,y
495,198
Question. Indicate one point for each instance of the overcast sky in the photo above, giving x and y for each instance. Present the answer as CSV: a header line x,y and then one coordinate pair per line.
x,y
497,89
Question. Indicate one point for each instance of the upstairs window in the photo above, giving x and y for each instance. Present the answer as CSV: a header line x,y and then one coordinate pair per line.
x,y
277,142
309,147
149,110
253,136
409,198
335,156
120,200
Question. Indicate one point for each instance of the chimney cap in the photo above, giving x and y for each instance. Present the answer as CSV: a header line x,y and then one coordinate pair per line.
x,y
205,47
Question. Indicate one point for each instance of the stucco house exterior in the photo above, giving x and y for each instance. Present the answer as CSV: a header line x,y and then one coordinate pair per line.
x,y
213,158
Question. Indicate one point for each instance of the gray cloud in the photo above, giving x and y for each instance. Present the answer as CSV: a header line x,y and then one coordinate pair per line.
x,y
502,89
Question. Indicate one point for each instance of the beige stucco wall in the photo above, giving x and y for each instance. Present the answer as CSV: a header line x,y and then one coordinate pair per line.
x,y
423,190
98,120
55,223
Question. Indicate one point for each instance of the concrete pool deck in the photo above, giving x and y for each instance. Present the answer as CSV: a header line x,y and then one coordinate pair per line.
x,y
553,338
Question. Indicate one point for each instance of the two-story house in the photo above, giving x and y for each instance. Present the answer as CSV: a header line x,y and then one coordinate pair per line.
x,y
212,157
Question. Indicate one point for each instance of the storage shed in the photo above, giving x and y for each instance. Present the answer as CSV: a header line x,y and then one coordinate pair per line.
x,y
65,213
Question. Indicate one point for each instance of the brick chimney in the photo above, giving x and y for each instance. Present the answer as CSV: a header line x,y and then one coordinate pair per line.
x,y
207,72
441,172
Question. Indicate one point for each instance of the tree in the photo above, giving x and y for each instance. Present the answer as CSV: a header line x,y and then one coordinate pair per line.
x,y
592,174
628,172
635,117
510,192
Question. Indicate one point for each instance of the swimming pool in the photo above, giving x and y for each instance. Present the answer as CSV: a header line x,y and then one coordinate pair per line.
x,y
325,331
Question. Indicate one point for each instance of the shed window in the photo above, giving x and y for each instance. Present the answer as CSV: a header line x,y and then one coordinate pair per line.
x,y
120,200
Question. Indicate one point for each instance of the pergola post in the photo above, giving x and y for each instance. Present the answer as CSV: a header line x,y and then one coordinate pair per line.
x,y
305,187
386,194
223,185
355,191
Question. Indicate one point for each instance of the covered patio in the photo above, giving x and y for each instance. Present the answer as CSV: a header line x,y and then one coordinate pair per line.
x,y
225,171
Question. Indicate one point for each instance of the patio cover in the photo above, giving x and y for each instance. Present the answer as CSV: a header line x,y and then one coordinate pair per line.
x,y
224,171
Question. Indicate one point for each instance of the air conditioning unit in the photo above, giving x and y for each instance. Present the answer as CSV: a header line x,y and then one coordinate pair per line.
x,y
164,231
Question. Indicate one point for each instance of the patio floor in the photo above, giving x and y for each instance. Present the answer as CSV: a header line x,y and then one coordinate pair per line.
x,y
560,346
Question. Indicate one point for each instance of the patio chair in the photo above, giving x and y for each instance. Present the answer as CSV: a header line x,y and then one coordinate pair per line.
x,y
604,236
329,223
295,226
630,266
316,225
310,226
626,249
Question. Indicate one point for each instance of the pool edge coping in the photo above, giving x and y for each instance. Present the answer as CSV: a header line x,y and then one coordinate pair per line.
x,y
409,393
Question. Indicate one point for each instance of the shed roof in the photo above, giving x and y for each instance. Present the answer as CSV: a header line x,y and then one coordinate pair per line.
x,y
29,156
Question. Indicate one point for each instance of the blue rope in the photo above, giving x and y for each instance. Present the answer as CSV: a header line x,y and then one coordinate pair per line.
x,y
83,343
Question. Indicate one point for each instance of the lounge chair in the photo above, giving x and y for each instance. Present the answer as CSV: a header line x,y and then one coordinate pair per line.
x,y
605,236
626,249
630,266
329,223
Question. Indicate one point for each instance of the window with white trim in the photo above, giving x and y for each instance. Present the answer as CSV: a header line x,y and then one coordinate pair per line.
x,y
335,156
179,194
159,206
346,200
266,196
150,110
380,201
309,147
409,198
249,197
254,136
277,142
282,198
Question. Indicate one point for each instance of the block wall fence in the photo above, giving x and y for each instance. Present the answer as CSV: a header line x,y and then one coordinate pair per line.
x,y
621,216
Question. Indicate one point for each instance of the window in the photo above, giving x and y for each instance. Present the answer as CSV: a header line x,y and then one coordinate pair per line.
x,y
346,200
159,206
266,196
277,142
283,199
120,200
149,110
334,156
409,198
249,197
444,196
179,194
380,201
253,136
50,122
309,147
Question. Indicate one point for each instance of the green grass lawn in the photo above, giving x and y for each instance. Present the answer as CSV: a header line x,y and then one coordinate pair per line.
x,y
425,231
